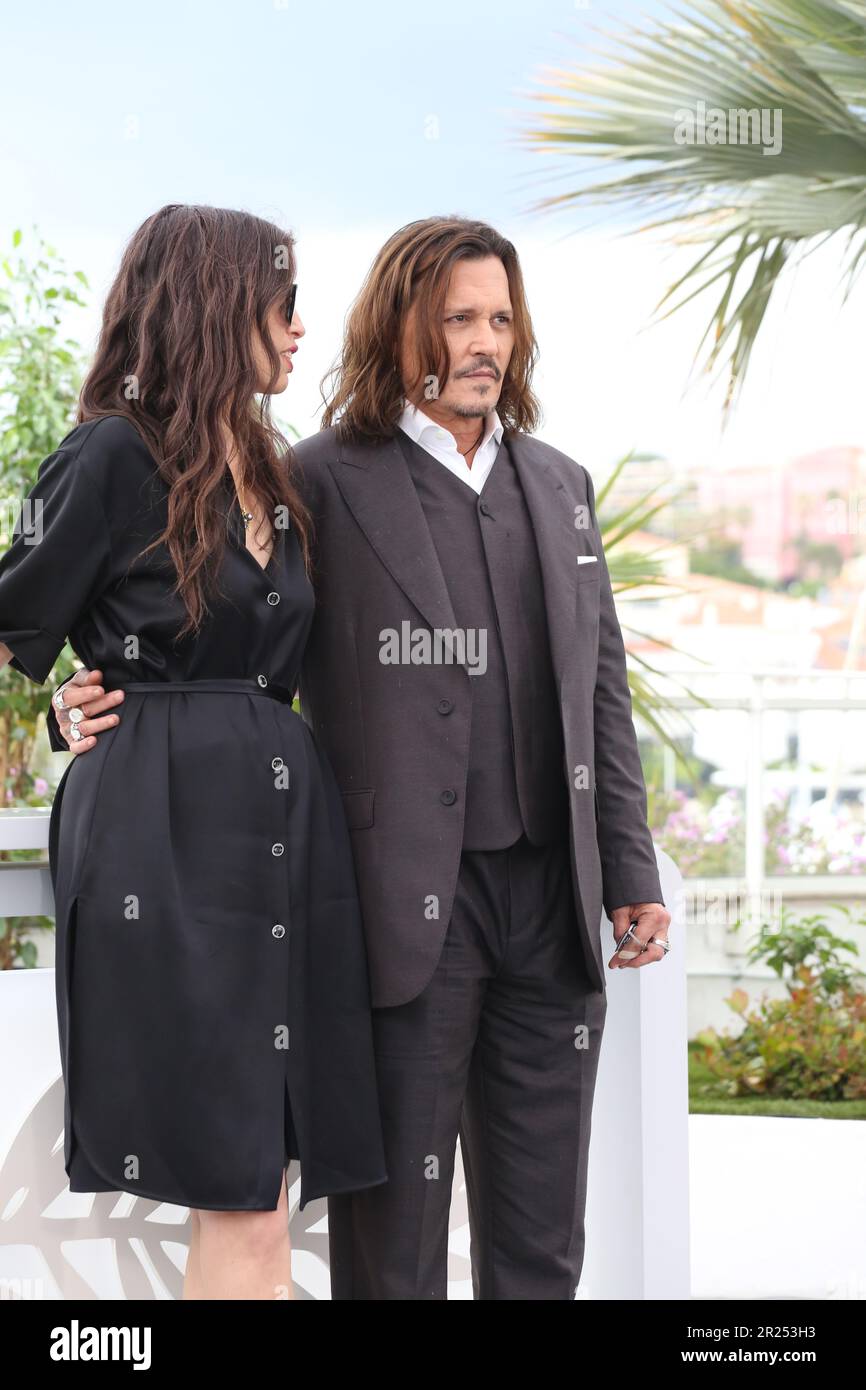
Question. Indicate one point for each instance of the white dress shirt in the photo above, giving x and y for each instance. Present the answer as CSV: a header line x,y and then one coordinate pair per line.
x,y
443,446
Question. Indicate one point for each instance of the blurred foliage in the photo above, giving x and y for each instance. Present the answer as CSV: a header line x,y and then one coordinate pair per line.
x,y
640,574
812,1042
41,370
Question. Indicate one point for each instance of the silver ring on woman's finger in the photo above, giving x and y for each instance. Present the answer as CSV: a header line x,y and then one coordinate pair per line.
x,y
59,702
76,714
665,945
75,733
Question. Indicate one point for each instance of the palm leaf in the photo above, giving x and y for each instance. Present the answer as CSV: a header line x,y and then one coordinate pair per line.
x,y
631,569
752,215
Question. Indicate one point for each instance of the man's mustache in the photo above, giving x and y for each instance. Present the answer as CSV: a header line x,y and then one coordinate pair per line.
x,y
479,366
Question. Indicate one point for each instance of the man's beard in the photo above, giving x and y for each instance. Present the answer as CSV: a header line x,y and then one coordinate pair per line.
x,y
471,412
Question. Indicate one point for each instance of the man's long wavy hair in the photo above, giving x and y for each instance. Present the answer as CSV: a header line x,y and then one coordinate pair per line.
x,y
175,357
363,391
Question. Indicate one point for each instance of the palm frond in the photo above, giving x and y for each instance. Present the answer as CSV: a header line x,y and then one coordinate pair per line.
x,y
754,204
630,569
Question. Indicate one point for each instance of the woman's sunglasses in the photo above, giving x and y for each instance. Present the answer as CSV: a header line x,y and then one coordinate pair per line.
x,y
290,303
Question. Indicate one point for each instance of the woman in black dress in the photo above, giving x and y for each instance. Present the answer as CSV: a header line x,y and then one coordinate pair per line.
x,y
212,991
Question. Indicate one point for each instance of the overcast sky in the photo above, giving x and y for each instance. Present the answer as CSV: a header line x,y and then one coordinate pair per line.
x,y
344,121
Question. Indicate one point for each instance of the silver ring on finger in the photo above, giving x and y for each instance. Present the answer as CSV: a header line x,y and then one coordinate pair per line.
x,y
76,714
655,941
75,733
59,702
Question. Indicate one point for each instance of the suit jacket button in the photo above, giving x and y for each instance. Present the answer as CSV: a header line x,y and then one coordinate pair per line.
x,y
262,680
445,706
277,850
448,797
278,931
276,764
273,597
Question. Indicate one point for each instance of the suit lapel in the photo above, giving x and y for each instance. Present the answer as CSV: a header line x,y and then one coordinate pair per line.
x,y
551,499
377,486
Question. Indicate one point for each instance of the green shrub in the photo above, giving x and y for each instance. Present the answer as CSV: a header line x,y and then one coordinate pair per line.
x,y
812,1042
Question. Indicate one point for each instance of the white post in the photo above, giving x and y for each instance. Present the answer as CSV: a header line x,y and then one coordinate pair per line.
x,y
637,1218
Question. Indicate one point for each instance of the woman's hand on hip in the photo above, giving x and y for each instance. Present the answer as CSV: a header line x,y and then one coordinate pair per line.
x,y
84,691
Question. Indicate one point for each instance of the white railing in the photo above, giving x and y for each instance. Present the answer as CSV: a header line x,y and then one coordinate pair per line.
x,y
757,694
25,888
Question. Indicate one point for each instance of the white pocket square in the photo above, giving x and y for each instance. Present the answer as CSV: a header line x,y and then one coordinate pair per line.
x,y
587,559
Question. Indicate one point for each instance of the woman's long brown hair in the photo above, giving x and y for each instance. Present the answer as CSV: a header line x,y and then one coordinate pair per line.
x,y
175,357
364,391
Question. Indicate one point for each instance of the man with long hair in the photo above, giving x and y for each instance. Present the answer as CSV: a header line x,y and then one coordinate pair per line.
x,y
466,673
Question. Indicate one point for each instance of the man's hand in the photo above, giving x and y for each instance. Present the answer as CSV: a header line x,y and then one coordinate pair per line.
x,y
651,919
84,691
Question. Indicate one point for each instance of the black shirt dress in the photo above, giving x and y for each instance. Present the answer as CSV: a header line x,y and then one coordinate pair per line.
x,y
211,975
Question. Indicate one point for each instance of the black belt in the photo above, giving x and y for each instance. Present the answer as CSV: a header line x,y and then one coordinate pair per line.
x,y
252,686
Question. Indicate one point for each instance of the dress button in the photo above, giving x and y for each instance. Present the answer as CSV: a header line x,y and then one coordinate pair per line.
x,y
448,797
273,597
278,931
277,850
262,680
445,706
277,764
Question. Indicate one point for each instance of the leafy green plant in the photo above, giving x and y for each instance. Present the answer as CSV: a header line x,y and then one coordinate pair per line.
x,y
40,374
811,1043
